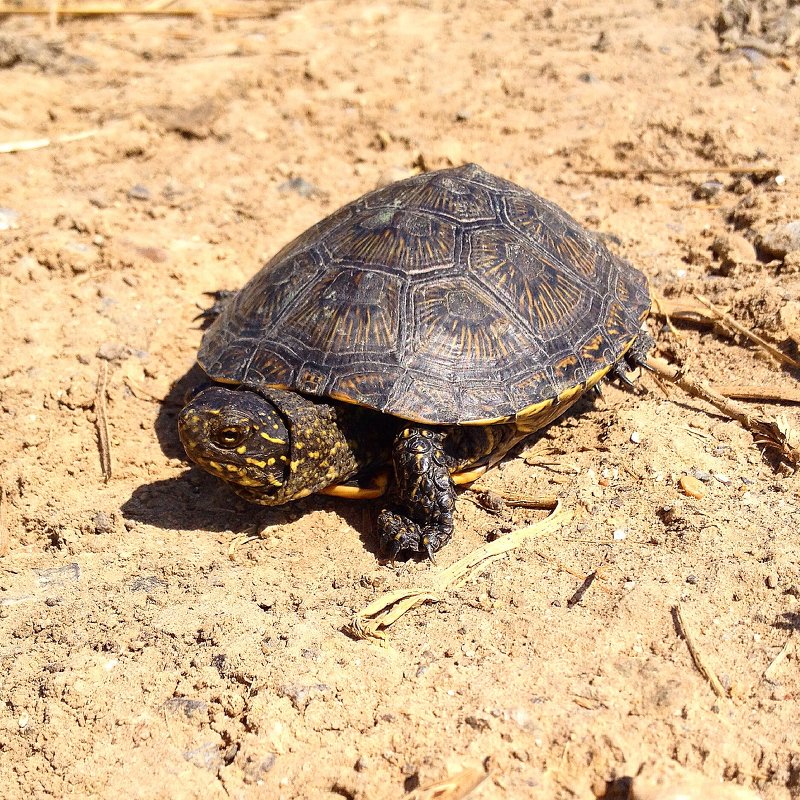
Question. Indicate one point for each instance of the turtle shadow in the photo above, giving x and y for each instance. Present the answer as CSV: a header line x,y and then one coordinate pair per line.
x,y
197,501
166,425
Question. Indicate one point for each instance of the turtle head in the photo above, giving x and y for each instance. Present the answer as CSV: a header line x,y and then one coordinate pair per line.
x,y
239,436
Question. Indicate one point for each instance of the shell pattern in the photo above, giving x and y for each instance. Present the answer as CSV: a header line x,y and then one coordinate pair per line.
x,y
449,297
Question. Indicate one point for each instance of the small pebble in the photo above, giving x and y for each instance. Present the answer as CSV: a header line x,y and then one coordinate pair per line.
x,y
620,534
722,478
8,219
103,523
702,475
636,437
139,192
707,190
691,579
772,581
782,239
363,764
57,576
692,487
299,186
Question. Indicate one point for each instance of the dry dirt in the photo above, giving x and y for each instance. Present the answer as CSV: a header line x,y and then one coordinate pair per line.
x,y
140,657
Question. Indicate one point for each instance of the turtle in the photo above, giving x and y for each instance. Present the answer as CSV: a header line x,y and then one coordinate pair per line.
x,y
405,344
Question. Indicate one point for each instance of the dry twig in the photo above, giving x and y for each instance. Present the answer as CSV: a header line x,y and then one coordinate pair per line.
x,y
772,669
37,144
739,328
703,311
496,501
697,656
101,421
761,394
5,534
372,621
613,172
777,435
454,787
53,10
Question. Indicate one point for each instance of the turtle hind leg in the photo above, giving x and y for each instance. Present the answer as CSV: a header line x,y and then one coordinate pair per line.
x,y
421,521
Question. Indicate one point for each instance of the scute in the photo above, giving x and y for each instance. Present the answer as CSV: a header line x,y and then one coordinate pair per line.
x,y
450,297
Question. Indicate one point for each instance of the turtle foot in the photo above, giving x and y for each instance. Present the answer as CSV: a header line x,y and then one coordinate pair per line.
x,y
401,534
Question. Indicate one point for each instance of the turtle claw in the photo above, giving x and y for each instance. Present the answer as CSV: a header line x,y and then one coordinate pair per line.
x,y
429,550
618,372
221,299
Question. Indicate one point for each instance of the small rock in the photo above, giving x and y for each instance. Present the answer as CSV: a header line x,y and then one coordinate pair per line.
x,y
103,523
255,768
707,190
301,696
148,584
207,756
363,764
691,579
620,534
59,575
692,487
636,437
299,186
772,581
139,192
732,249
478,723
789,320
702,475
8,219
781,240
112,351
184,706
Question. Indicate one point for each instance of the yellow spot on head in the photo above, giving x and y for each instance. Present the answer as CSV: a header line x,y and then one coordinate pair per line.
x,y
241,450
270,461
272,439
256,462
294,465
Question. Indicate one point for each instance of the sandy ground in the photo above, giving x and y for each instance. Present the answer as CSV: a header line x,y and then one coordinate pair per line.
x,y
140,658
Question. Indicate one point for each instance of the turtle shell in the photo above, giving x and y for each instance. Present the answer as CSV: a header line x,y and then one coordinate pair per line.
x,y
449,297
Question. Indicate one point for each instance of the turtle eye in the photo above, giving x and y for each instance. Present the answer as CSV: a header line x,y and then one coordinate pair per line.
x,y
231,436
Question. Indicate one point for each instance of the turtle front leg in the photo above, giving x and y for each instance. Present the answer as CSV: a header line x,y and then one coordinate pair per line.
x,y
422,520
